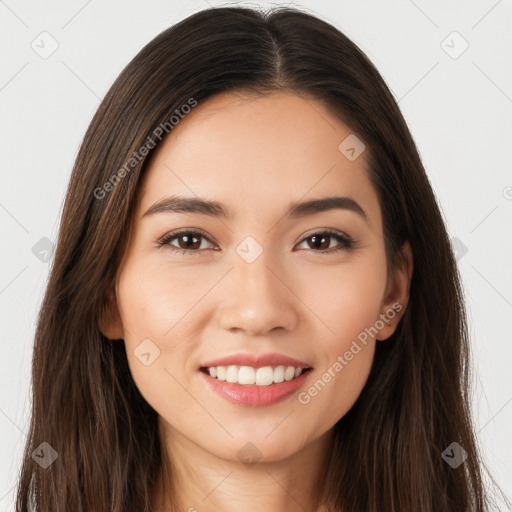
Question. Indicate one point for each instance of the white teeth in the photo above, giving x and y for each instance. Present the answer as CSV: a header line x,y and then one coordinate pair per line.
x,y
279,374
221,372
247,375
232,374
264,376
289,373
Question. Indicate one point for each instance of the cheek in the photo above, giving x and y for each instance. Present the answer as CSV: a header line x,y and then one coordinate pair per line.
x,y
345,298
347,302
156,300
337,385
160,331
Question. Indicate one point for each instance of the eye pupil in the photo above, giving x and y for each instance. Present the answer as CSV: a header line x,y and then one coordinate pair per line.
x,y
322,238
188,245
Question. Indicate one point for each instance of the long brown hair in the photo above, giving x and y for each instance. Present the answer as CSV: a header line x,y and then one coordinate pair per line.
x,y
387,450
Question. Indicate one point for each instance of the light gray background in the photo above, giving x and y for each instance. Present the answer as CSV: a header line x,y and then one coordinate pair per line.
x,y
458,109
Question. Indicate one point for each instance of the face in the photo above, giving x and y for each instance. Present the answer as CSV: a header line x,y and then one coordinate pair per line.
x,y
303,283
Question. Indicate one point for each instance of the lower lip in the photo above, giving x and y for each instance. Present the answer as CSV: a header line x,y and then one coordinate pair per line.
x,y
255,396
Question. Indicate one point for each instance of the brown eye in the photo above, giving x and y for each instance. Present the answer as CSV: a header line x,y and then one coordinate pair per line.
x,y
192,241
188,241
321,241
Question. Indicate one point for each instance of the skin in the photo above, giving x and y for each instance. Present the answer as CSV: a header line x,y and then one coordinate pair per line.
x,y
292,299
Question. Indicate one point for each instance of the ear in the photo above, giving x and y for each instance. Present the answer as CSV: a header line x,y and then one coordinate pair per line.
x,y
109,320
396,296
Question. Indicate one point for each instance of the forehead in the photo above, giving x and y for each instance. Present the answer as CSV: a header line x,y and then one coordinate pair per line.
x,y
250,151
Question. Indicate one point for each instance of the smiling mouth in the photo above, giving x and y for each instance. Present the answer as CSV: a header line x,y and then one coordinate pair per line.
x,y
248,375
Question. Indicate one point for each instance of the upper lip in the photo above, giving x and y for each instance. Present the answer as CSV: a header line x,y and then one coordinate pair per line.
x,y
256,360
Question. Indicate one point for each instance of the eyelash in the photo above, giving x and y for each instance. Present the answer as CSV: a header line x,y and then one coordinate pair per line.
x,y
346,242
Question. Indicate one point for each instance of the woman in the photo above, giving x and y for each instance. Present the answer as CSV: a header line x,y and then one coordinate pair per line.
x,y
253,303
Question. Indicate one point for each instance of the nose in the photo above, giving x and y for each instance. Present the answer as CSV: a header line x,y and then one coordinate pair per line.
x,y
259,298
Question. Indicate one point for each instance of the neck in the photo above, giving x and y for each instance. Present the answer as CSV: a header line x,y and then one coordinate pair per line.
x,y
202,482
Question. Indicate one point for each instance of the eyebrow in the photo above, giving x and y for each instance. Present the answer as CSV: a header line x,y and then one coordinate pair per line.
x,y
180,204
